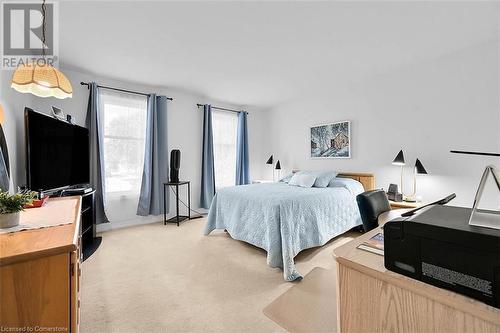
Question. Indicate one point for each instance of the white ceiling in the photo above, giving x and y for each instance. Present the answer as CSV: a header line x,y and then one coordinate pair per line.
x,y
261,54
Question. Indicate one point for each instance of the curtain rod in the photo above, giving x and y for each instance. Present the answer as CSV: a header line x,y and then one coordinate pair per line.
x,y
224,109
122,90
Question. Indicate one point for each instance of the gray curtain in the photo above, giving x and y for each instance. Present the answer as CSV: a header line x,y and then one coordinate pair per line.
x,y
5,150
207,163
155,158
4,162
4,173
94,124
242,164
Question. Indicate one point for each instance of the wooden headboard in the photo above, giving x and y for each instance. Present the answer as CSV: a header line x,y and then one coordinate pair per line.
x,y
365,178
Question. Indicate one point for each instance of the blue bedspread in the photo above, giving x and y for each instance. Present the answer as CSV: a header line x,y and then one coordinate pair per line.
x,y
283,219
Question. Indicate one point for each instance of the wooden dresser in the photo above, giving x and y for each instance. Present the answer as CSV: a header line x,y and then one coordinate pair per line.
x,y
40,271
372,299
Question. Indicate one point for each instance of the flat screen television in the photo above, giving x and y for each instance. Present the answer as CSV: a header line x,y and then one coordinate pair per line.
x,y
57,153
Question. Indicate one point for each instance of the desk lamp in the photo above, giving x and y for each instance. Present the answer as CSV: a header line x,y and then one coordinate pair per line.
x,y
270,161
419,170
484,217
278,167
400,161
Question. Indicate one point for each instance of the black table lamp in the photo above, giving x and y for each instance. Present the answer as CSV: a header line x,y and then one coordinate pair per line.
x,y
270,161
278,167
400,161
419,170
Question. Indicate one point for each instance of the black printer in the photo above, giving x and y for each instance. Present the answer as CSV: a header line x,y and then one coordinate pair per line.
x,y
439,247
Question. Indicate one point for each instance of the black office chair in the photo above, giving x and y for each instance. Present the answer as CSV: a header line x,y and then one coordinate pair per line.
x,y
371,204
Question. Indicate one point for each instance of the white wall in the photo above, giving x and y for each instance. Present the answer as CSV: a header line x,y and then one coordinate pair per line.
x,y
426,109
184,127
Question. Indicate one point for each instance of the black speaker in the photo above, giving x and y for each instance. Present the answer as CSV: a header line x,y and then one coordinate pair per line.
x,y
175,165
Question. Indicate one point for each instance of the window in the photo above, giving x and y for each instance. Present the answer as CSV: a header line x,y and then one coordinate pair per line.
x,y
123,119
224,128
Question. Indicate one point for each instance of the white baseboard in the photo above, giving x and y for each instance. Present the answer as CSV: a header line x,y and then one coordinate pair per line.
x,y
103,227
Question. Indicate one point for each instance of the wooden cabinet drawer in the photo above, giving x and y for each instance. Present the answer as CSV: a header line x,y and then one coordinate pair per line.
x,y
35,280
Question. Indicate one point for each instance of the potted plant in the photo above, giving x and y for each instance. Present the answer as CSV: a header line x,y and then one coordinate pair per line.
x,y
11,205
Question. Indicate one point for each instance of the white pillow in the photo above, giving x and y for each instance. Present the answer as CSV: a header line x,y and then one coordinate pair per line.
x,y
322,177
302,180
352,185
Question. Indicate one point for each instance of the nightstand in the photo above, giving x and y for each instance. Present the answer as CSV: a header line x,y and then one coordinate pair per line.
x,y
262,181
404,204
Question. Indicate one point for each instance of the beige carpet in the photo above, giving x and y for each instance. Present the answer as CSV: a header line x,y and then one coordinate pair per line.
x,y
157,278
309,306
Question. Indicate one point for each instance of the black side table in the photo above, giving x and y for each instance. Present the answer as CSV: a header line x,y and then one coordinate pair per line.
x,y
178,218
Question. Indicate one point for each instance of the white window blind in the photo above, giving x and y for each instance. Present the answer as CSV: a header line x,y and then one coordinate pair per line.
x,y
124,129
224,128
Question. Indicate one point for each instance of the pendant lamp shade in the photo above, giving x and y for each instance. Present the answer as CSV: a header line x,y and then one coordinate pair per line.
x,y
419,167
278,165
41,80
270,160
400,159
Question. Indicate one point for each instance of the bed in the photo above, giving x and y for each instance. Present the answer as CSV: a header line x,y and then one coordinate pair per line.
x,y
284,219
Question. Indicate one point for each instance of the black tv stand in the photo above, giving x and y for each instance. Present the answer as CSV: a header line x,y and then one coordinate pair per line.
x,y
90,242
